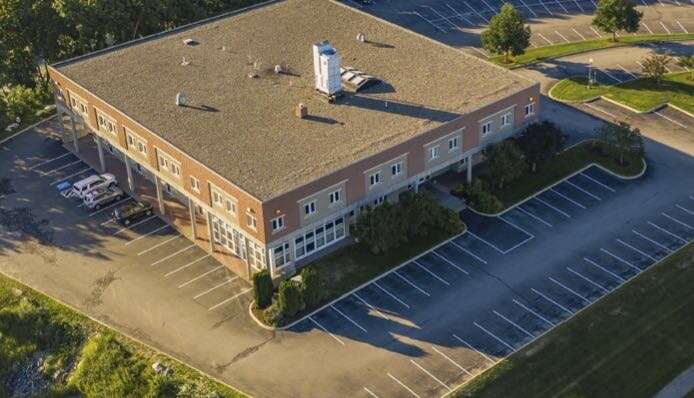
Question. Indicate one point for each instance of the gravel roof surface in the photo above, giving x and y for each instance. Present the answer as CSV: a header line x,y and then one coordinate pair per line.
x,y
245,129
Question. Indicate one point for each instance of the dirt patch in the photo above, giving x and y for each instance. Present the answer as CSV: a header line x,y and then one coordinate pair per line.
x,y
100,286
23,222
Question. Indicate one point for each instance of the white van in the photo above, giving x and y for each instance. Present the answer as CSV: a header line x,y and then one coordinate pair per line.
x,y
82,187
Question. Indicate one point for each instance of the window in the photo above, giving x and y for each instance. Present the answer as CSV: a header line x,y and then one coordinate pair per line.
x,y
486,128
230,206
335,196
379,200
166,163
251,221
168,188
281,255
195,184
309,208
434,152
216,198
506,120
135,143
375,179
277,223
453,144
324,234
529,109
105,123
396,169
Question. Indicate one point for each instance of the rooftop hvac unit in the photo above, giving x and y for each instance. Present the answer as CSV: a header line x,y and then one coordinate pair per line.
x,y
326,68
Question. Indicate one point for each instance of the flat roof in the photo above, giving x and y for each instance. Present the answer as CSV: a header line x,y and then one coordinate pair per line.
x,y
245,128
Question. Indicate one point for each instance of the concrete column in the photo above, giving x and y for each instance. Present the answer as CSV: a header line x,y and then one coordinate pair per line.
x,y
100,150
129,171
248,263
160,195
209,231
191,210
74,134
469,169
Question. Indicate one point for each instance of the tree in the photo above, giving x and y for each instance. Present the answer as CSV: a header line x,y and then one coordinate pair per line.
x,y
289,298
507,33
311,287
622,139
687,62
505,162
613,16
381,228
655,66
540,142
262,289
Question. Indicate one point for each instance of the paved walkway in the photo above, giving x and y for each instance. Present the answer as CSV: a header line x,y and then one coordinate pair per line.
x,y
679,386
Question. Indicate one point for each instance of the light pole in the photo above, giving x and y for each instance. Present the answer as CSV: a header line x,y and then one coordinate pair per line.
x,y
590,66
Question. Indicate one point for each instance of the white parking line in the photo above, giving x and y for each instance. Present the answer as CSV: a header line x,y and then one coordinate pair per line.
x,y
403,385
186,266
619,278
627,72
676,220
374,309
670,119
184,284
409,282
579,5
642,236
210,290
451,361
585,278
674,235
568,289
451,263
578,33
110,220
542,3
664,27
158,245
597,182
459,15
616,257
595,31
326,330
134,225
691,213
442,16
568,198
547,321
610,75
371,393
552,207
612,115
495,337
514,324
636,250
562,36
470,346
562,6
47,173
431,375
516,227
473,255
529,9
428,271
533,216
229,299
59,180
551,301
475,11
596,197
394,297
545,39
485,242
490,7
647,28
147,234
348,318
108,207
172,255
49,161
682,27
430,22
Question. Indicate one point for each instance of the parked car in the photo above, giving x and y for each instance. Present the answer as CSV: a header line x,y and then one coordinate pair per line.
x,y
131,211
83,186
103,196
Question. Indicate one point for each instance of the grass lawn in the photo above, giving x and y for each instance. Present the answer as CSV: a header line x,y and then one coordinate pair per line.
x,y
564,164
630,344
62,353
641,94
534,55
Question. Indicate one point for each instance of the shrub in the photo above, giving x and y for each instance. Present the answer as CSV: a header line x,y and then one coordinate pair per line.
x,y
289,298
451,222
380,229
23,102
272,314
505,162
311,289
540,142
459,190
483,200
262,289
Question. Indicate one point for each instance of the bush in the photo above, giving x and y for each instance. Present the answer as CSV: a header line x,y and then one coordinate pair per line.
x,y
380,229
23,102
311,289
262,289
451,222
483,200
289,298
459,190
505,162
540,142
272,314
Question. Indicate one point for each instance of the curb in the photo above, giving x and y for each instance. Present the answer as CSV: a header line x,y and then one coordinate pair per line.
x,y
378,277
28,128
129,336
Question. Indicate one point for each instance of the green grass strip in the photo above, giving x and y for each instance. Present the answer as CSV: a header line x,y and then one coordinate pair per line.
x,y
534,55
632,343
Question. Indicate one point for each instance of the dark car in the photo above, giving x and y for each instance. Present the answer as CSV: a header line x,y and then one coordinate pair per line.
x,y
132,211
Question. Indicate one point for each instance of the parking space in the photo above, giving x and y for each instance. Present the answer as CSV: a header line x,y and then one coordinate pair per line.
x,y
674,120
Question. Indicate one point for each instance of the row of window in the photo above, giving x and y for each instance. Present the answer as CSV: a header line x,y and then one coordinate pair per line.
x,y
322,235
376,178
453,145
234,240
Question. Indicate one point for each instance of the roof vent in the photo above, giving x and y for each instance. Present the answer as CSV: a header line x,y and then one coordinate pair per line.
x,y
253,72
278,69
190,42
361,37
185,62
301,111
181,99
356,79
326,68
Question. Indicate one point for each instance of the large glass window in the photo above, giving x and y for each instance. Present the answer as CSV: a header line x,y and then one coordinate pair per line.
x,y
321,236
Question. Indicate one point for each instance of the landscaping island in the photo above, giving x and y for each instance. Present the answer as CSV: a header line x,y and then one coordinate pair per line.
x,y
631,343
47,349
642,95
